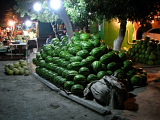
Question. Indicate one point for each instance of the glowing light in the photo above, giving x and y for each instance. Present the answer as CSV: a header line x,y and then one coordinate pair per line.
x,y
152,21
11,23
55,4
37,6
28,23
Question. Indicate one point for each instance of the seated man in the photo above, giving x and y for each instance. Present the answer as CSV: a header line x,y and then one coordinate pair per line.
x,y
49,40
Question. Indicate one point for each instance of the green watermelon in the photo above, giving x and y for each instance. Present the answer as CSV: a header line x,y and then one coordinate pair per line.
x,y
76,59
96,52
42,63
127,64
85,63
62,54
68,56
80,79
112,66
84,71
84,36
68,85
100,74
97,66
135,80
91,77
74,38
48,59
70,75
77,89
91,59
105,59
75,66
87,46
82,53
61,82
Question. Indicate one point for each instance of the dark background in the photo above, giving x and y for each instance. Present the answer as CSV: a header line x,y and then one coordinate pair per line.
x,y
5,5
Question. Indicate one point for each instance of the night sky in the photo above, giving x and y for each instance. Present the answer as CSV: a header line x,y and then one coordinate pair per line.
x,y
5,5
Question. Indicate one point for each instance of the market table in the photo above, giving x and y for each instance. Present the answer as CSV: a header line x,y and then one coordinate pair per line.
x,y
19,44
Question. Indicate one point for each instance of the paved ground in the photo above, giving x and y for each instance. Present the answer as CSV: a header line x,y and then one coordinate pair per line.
x,y
26,98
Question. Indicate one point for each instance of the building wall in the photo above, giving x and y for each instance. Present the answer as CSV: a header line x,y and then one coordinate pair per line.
x,y
111,31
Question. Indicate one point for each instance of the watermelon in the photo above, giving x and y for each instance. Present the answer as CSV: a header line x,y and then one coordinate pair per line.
x,y
48,59
35,61
87,46
77,89
113,55
100,74
105,59
91,77
44,55
77,43
62,54
143,78
150,62
120,73
61,82
75,66
97,66
157,62
84,71
109,72
85,63
82,53
74,38
152,57
95,36
76,59
96,43
64,73
91,59
74,50
112,66
104,49
65,64
42,63
80,79
84,36
127,64
68,85
68,56
70,74
38,55
122,56
135,80
96,52
56,80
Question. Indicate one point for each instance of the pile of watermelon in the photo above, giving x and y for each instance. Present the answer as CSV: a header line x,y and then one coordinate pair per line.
x,y
17,68
72,66
145,51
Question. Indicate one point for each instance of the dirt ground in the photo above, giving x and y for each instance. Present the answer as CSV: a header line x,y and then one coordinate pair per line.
x,y
26,98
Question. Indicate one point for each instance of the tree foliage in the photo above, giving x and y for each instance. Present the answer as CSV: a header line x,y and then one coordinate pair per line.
x,y
123,10
98,10
25,7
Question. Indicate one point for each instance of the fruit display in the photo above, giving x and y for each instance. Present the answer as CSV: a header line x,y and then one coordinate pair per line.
x,y
145,51
72,66
17,68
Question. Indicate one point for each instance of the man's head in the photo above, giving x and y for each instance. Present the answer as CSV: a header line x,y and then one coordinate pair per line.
x,y
50,36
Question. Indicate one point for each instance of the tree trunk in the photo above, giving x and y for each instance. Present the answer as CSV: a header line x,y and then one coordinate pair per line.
x,y
119,40
63,15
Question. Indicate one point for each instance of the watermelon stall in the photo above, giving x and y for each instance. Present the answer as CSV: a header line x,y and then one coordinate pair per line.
x,y
72,66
